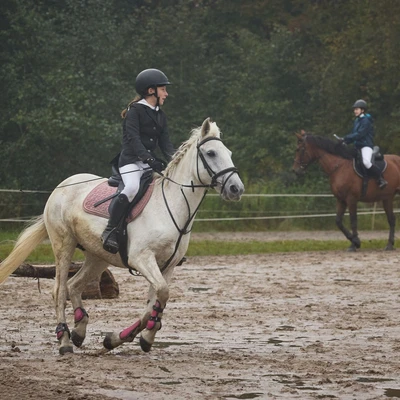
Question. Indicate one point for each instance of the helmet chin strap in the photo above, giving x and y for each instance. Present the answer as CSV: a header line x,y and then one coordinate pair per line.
x,y
155,94
158,99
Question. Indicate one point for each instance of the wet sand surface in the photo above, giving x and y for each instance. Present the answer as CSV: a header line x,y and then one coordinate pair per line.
x,y
315,325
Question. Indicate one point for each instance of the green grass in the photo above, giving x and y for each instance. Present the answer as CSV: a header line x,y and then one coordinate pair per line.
x,y
208,247
43,253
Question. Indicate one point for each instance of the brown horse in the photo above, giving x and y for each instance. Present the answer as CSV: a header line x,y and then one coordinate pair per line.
x,y
336,160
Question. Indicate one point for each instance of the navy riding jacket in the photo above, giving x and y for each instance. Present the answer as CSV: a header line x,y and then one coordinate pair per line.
x,y
362,134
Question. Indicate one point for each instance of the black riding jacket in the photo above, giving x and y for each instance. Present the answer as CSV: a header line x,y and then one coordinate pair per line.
x,y
143,130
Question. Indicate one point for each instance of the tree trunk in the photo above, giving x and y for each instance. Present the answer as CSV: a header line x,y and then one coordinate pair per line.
x,y
106,288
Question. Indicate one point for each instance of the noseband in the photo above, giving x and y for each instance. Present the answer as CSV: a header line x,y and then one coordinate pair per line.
x,y
214,175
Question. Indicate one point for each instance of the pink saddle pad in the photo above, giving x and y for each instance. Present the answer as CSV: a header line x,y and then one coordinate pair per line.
x,y
102,191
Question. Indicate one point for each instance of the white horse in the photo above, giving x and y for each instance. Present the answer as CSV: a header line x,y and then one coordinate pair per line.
x,y
157,239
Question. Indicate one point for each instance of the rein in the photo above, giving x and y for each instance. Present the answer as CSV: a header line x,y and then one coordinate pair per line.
x,y
214,181
304,165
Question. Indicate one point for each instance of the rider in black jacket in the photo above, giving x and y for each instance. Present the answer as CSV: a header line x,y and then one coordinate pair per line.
x,y
144,129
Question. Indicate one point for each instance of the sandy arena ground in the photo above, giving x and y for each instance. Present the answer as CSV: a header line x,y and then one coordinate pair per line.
x,y
316,325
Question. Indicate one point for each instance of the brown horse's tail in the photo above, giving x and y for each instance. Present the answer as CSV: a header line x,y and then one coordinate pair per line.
x,y
26,243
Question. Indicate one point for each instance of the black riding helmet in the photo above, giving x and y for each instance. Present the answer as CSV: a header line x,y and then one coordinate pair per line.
x,y
360,104
150,78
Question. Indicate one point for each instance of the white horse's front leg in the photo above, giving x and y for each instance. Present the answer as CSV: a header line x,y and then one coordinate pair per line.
x,y
154,312
151,319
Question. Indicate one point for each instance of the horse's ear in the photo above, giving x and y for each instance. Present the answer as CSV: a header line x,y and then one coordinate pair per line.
x,y
205,127
299,135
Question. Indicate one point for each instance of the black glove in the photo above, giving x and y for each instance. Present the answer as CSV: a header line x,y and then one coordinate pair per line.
x,y
155,165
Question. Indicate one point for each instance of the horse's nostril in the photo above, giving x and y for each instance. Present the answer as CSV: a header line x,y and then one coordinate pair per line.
x,y
234,189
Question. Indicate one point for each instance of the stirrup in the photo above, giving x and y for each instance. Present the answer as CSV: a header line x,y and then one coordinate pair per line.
x,y
109,239
382,183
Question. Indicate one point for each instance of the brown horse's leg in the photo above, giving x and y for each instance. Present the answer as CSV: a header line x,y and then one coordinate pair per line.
x,y
391,218
355,241
340,210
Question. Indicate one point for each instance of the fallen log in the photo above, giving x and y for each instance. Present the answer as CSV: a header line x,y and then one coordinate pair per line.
x,y
105,288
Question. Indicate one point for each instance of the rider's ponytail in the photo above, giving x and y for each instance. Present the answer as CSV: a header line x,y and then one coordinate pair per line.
x,y
125,110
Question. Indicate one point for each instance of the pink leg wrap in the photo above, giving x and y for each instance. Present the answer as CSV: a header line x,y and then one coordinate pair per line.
x,y
128,331
80,313
61,329
154,318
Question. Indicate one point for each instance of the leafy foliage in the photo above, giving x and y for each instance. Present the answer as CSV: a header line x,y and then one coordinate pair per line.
x,y
262,69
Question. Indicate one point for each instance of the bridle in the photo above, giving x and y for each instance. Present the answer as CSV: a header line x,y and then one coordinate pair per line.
x,y
214,175
303,165
214,182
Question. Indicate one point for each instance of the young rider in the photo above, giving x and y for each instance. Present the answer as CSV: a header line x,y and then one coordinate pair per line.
x,y
362,136
144,129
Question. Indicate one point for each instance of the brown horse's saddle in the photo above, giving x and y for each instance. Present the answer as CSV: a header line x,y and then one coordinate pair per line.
x,y
377,159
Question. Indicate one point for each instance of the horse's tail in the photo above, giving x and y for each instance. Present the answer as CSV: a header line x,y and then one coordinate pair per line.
x,y
26,243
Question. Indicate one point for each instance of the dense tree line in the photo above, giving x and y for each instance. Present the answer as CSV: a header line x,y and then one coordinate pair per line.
x,y
262,69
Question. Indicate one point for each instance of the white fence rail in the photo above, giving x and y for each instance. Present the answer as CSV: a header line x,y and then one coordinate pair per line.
x,y
374,211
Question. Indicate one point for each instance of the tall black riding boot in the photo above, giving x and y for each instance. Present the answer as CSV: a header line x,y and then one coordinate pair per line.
x,y
376,173
109,236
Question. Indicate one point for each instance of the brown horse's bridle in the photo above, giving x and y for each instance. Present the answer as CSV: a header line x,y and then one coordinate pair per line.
x,y
303,149
303,165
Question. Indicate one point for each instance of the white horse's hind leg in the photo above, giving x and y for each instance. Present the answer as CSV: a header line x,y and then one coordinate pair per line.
x,y
90,271
63,251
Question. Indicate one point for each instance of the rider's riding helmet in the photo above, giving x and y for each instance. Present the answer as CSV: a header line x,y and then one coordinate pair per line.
x,y
360,104
150,78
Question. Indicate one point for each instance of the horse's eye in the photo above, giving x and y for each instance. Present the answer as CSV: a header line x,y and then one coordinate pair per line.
x,y
211,153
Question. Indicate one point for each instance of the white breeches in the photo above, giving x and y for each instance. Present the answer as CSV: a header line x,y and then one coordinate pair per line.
x,y
366,153
131,175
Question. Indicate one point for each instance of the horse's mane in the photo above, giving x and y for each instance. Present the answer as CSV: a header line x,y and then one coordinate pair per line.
x,y
195,136
331,146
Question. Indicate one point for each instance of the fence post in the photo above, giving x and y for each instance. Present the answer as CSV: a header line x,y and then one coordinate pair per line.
x,y
373,217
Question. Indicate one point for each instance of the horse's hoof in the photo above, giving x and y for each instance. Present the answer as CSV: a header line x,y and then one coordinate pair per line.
x,y
389,248
107,342
145,345
66,349
77,340
351,249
